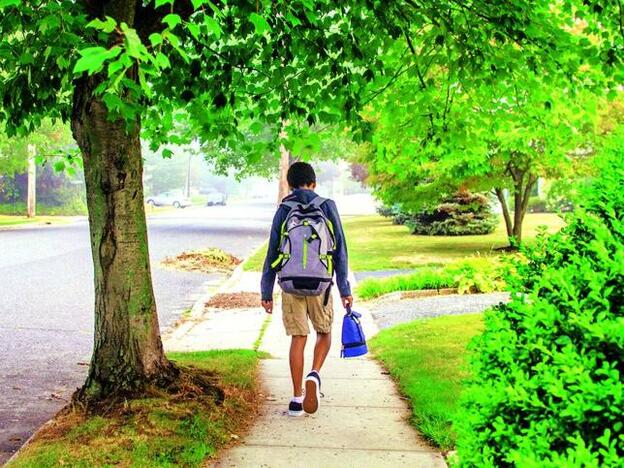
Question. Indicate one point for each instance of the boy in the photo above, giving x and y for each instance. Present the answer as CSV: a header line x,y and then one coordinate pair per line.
x,y
297,309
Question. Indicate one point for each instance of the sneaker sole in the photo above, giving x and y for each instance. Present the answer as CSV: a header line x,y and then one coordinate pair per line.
x,y
311,400
296,413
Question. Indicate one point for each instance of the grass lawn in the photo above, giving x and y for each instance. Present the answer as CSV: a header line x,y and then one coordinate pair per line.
x,y
376,244
164,429
256,261
427,358
14,220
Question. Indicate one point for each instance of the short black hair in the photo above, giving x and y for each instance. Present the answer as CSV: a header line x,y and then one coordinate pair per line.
x,y
300,174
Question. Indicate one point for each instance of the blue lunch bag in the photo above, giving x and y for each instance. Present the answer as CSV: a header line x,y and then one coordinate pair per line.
x,y
353,341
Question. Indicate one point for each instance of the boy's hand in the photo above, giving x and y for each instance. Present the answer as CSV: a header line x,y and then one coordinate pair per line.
x,y
347,301
268,306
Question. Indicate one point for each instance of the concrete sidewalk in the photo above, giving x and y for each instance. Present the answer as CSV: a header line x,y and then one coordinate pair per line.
x,y
220,329
362,420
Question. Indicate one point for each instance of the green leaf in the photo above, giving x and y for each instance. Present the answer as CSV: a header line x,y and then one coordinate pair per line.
x,y
259,23
9,3
144,84
292,19
197,3
213,26
106,26
59,166
155,39
162,60
172,20
160,3
256,127
167,153
93,58
194,30
134,46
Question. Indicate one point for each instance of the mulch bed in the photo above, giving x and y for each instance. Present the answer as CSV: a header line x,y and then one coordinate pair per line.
x,y
238,300
428,293
204,261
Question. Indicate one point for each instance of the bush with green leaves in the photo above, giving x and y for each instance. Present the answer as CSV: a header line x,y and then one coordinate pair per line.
x,y
472,275
547,386
463,214
476,275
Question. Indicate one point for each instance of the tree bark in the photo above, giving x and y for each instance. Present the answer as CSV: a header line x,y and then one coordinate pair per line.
x,y
500,194
283,188
522,204
128,351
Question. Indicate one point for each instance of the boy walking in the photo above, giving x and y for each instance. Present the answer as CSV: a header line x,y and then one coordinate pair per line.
x,y
306,247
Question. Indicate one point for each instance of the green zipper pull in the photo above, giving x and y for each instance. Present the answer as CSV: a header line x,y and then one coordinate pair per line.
x,y
305,253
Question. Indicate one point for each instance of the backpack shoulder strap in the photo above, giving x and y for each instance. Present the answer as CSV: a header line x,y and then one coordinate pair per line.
x,y
317,202
290,204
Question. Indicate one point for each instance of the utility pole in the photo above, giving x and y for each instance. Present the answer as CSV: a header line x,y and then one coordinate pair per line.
x,y
188,178
283,170
31,201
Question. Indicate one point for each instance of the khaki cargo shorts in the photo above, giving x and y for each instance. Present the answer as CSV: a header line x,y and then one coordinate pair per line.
x,y
297,309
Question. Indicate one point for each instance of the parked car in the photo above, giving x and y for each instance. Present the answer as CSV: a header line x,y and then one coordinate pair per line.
x,y
175,198
213,196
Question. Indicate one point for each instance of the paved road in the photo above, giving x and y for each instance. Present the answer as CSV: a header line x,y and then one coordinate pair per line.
x,y
46,302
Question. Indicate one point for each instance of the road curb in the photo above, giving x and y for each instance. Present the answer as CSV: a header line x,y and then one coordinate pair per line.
x,y
30,439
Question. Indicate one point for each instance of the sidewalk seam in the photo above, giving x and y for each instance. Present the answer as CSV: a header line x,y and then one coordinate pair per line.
x,y
351,449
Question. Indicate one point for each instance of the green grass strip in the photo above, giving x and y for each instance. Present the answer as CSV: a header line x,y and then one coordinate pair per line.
x,y
428,359
263,329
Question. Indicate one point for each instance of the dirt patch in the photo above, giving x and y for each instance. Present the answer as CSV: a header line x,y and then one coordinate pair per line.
x,y
239,300
428,293
211,260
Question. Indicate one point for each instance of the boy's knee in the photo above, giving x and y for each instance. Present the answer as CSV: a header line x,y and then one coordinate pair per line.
x,y
297,339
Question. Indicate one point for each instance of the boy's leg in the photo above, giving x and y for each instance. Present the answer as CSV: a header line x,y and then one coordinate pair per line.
x,y
295,319
321,349
297,346
322,317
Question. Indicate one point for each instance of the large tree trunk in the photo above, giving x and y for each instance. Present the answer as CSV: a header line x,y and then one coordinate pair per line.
x,y
500,194
128,352
522,195
523,183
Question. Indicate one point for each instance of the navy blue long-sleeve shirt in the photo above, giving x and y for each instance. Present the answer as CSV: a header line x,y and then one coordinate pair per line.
x,y
341,264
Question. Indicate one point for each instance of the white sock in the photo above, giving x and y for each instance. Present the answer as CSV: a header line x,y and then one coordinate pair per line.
x,y
298,399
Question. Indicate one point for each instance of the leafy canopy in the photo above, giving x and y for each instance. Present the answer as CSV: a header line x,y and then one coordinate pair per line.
x,y
225,71
217,71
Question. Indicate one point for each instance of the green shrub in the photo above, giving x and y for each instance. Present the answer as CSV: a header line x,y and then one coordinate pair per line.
x,y
548,376
474,275
385,211
424,278
463,214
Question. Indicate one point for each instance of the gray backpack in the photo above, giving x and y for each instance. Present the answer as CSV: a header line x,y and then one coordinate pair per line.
x,y
307,243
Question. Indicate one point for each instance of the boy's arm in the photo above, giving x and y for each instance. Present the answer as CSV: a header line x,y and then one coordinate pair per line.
x,y
268,274
341,260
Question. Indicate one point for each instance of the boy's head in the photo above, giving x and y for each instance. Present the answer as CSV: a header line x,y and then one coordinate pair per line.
x,y
301,175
